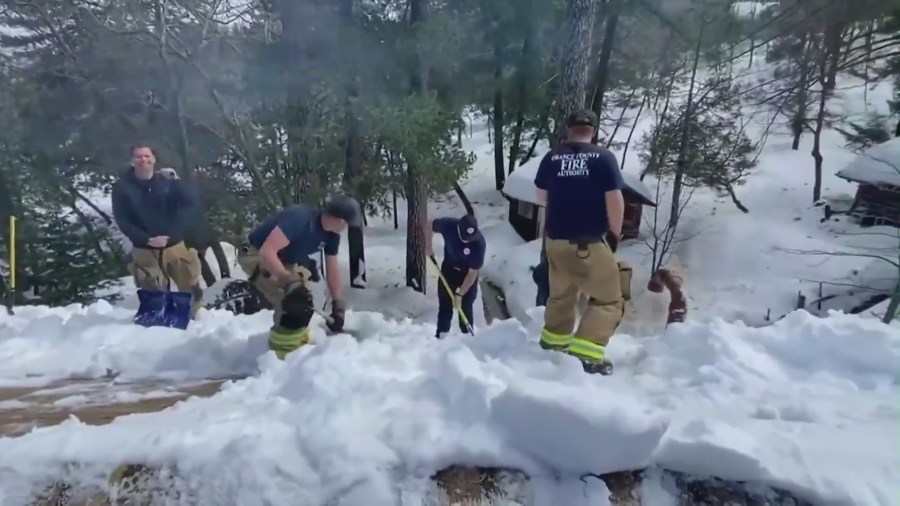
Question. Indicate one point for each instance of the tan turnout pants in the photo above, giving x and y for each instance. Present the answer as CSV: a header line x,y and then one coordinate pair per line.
x,y
248,259
180,263
593,272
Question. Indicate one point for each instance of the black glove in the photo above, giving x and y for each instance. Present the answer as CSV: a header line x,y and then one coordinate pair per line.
x,y
612,240
336,324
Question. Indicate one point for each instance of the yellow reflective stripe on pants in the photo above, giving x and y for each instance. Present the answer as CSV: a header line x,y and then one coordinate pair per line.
x,y
283,341
583,348
555,340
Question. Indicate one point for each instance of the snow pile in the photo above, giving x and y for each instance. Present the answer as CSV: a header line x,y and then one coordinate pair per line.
x,y
807,404
878,165
39,345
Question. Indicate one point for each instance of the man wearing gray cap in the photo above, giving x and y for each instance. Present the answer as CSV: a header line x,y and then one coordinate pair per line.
x,y
276,258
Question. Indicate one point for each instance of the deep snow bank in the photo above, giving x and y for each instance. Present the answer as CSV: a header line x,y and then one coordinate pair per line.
x,y
806,404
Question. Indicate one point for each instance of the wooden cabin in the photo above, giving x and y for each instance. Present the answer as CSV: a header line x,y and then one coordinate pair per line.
x,y
877,171
527,218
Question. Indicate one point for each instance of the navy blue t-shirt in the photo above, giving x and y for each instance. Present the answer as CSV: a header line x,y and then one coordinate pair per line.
x,y
576,176
467,255
302,225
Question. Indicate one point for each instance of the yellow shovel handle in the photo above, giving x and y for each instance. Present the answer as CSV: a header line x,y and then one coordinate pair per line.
x,y
434,266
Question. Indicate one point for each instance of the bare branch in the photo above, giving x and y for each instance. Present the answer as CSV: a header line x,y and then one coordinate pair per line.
x,y
840,254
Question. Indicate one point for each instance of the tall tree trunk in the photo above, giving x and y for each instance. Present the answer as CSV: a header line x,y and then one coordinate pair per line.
x,y
416,193
601,76
637,117
538,135
798,122
499,172
621,118
664,90
580,15
523,79
575,61
354,154
820,124
833,38
162,34
684,142
870,29
752,38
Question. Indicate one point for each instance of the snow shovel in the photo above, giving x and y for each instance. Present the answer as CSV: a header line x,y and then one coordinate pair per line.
x,y
163,308
459,311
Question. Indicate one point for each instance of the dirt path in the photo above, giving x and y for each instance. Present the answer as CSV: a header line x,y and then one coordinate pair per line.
x,y
494,302
94,402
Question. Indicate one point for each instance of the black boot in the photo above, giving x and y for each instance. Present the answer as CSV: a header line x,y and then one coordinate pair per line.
x,y
603,367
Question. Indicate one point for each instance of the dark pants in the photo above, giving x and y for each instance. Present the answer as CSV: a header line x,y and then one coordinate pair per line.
x,y
541,276
454,277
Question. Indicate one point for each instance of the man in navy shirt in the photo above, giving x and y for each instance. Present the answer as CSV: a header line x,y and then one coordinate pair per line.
x,y
580,185
276,260
464,249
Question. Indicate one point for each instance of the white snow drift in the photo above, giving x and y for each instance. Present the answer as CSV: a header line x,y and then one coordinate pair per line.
x,y
807,404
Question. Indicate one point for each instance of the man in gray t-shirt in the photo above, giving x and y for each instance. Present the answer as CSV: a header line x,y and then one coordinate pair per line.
x,y
277,261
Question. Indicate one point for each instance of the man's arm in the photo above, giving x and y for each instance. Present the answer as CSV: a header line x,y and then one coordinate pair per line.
x,y
122,214
468,281
333,277
615,211
437,226
542,180
332,267
612,183
476,261
268,253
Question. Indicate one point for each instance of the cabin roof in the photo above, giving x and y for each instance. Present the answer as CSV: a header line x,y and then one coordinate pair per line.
x,y
877,165
520,184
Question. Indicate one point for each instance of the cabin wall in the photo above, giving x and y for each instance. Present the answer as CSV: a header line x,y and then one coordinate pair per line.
x,y
631,225
523,216
878,205
526,218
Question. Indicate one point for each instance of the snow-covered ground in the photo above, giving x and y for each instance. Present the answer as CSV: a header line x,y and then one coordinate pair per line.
x,y
368,422
807,404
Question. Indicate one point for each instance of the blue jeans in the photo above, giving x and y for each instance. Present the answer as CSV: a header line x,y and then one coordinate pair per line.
x,y
454,276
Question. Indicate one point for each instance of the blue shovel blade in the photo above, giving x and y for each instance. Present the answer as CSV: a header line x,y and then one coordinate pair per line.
x,y
178,309
163,309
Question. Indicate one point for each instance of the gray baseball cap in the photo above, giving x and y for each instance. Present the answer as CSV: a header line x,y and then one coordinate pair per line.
x,y
345,208
583,117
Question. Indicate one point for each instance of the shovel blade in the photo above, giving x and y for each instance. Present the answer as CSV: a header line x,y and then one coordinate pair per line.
x,y
163,309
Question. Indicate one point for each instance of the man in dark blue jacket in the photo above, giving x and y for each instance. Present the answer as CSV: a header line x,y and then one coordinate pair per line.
x,y
150,208
464,249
